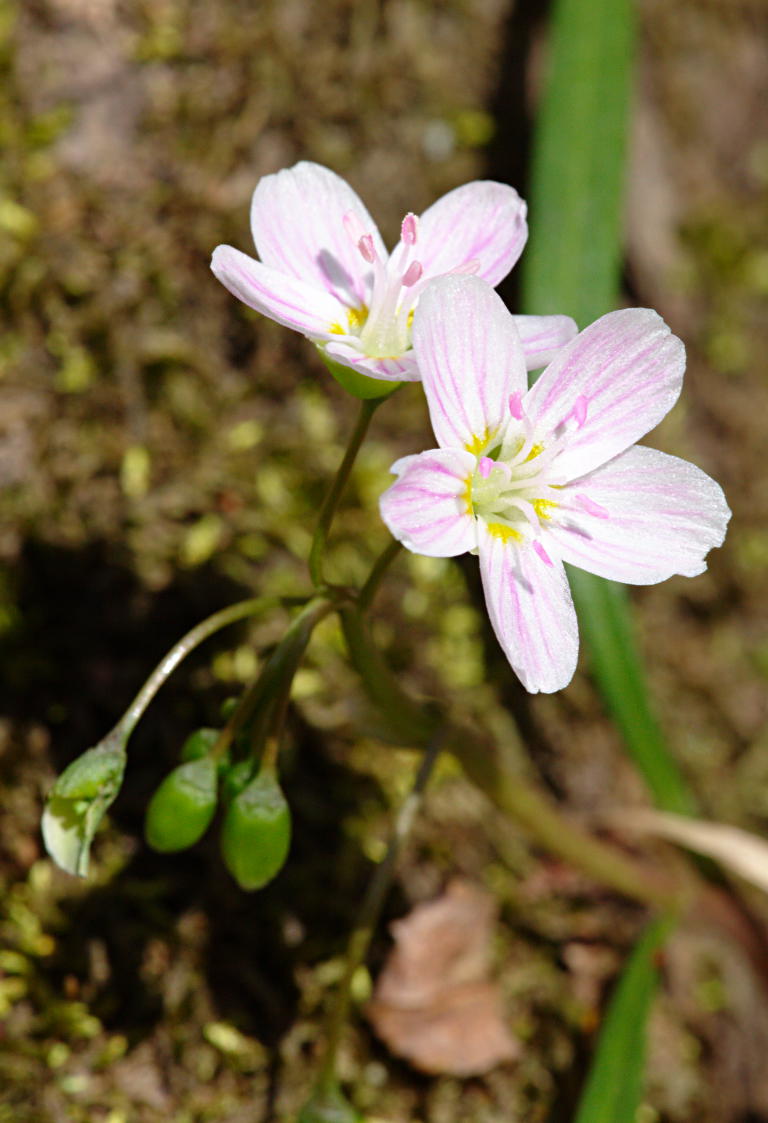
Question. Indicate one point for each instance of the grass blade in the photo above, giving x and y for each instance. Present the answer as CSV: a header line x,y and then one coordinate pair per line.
x,y
572,265
614,1087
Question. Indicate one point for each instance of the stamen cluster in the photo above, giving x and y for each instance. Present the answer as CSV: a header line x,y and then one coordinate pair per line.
x,y
518,486
385,325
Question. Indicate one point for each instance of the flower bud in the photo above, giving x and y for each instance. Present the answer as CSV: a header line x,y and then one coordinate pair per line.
x,y
256,832
199,744
78,801
182,807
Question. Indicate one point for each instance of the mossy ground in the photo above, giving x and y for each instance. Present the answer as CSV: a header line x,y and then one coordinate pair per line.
x,y
163,451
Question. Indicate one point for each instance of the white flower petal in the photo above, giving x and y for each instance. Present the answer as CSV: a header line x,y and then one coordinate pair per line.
x,y
401,369
482,221
297,219
530,607
629,368
660,516
291,302
470,358
543,337
427,509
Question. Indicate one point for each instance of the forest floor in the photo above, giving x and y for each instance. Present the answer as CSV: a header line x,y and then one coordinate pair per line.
x,y
163,452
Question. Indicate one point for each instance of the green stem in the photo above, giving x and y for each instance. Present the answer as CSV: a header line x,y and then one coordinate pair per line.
x,y
492,768
369,913
331,501
180,650
380,567
277,674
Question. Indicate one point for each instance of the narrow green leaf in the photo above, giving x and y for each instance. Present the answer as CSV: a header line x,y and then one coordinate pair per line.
x,y
573,259
613,1091
606,625
572,265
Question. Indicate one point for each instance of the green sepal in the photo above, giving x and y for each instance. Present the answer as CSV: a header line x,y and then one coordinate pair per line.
x,y
78,802
236,777
361,386
256,832
228,707
181,809
199,744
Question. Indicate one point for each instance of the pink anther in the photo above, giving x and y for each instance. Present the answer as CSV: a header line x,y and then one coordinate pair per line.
x,y
591,507
516,405
367,248
485,466
412,274
409,231
353,227
466,269
579,410
542,553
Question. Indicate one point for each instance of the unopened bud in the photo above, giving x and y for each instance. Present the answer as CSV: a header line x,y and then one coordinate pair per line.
x,y
182,807
199,744
256,832
78,802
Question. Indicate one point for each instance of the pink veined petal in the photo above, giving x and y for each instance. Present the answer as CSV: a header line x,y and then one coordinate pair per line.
x,y
293,303
629,367
297,219
662,515
471,360
530,607
482,221
401,369
427,507
543,336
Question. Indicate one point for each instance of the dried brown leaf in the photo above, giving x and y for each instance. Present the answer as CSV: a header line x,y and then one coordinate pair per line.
x,y
434,1004
739,851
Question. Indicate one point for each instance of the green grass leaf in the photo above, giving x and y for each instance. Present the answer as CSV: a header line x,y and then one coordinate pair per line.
x,y
572,265
614,1087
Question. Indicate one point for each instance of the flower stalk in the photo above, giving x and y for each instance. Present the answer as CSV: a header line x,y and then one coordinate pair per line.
x,y
268,695
378,570
331,501
491,768
369,914
254,606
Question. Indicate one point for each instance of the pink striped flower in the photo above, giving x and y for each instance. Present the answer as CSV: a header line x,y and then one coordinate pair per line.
x,y
324,270
529,479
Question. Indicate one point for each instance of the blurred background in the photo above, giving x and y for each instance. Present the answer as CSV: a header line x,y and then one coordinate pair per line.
x,y
163,452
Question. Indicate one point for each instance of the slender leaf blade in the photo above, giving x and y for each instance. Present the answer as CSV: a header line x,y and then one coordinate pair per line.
x,y
573,260
572,265
614,1087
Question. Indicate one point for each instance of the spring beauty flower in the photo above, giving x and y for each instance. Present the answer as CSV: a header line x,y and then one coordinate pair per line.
x,y
529,479
324,270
